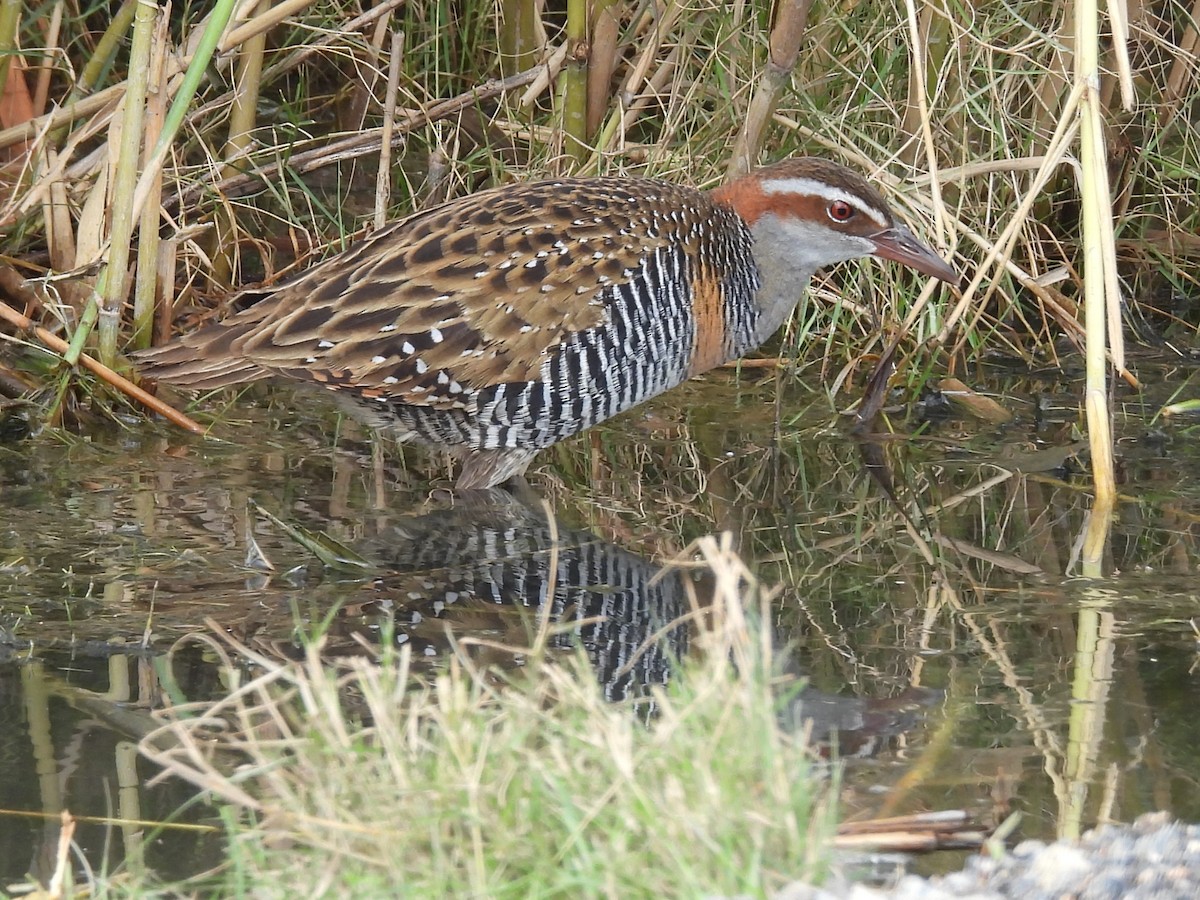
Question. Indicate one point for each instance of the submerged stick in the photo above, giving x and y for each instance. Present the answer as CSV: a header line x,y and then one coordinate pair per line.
x,y
101,371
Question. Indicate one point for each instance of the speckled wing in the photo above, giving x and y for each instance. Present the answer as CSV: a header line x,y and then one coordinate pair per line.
x,y
473,293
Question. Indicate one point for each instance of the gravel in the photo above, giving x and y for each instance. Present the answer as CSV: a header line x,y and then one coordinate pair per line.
x,y
1155,858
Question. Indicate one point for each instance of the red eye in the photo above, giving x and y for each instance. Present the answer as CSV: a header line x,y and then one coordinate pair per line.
x,y
841,211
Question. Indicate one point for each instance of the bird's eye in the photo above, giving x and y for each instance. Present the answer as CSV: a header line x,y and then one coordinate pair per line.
x,y
841,211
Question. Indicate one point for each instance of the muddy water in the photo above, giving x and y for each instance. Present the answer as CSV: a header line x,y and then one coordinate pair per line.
x,y
948,632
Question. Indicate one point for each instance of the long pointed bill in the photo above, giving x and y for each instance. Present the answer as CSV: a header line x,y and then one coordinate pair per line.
x,y
901,245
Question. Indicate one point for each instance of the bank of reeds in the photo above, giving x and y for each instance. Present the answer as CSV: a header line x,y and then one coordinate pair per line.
x,y
155,159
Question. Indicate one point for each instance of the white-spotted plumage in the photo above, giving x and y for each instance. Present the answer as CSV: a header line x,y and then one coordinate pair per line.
x,y
503,322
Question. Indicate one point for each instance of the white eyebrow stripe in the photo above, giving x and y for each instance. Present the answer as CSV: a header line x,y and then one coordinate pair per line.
x,y
824,191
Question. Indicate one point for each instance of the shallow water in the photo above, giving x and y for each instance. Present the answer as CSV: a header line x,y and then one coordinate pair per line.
x,y
949,636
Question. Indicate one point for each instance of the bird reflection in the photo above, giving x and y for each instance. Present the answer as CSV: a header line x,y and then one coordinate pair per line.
x,y
474,577
488,565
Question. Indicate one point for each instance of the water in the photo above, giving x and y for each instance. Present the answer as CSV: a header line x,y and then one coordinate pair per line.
x,y
969,667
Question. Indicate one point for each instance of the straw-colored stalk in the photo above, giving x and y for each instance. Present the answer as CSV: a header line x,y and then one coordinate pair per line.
x,y
45,70
625,117
108,97
61,116
351,112
1183,69
1096,631
602,62
115,286
1054,80
118,381
165,289
151,170
634,91
98,63
791,18
1099,251
56,213
383,178
149,288
930,36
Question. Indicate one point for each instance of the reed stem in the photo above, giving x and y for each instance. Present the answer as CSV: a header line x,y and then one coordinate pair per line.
x,y
129,125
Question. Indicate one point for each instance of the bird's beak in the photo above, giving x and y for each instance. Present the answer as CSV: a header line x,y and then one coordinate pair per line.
x,y
901,245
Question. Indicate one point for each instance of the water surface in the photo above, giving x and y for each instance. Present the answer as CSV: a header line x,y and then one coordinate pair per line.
x,y
939,612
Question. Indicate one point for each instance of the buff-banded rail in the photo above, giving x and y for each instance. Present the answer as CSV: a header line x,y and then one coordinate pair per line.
x,y
503,322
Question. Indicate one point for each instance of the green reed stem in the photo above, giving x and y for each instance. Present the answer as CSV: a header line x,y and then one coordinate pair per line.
x,y
10,22
124,178
574,82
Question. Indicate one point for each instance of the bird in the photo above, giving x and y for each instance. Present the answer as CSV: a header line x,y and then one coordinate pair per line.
x,y
503,322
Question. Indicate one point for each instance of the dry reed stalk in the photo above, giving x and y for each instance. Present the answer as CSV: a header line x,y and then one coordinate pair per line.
x,y
791,20
655,86
50,167
205,45
658,23
928,39
383,178
264,19
1001,248
1183,69
363,143
550,67
104,100
62,116
602,62
1054,81
164,289
299,55
46,71
352,114
916,126
1118,22
1100,285
56,214
149,285
101,104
